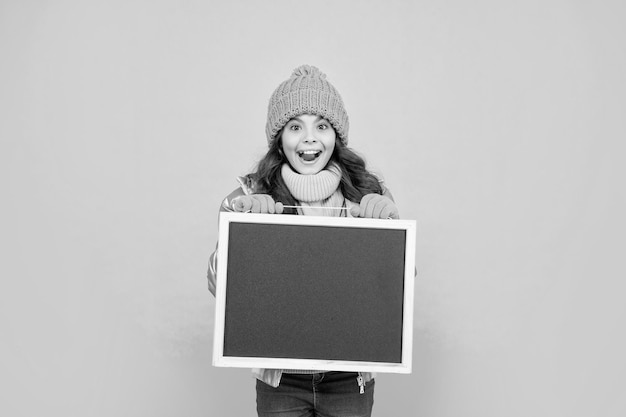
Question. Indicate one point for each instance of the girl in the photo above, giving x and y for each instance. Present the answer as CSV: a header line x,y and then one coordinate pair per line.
x,y
309,170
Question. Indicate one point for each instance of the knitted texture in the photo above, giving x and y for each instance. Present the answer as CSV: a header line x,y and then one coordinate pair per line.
x,y
315,187
318,194
306,92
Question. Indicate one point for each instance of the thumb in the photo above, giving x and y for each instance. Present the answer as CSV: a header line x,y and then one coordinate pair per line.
x,y
355,210
239,204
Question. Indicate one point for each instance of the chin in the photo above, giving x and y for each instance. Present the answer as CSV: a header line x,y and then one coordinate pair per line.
x,y
308,169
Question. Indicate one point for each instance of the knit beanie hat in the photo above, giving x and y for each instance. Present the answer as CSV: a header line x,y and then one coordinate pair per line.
x,y
306,92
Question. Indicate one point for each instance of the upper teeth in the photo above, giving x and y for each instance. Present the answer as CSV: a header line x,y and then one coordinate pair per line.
x,y
308,152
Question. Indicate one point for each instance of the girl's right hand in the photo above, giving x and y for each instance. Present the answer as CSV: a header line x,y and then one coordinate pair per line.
x,y
257,203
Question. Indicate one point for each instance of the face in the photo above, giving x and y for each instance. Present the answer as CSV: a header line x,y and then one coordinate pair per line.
x,y
308,142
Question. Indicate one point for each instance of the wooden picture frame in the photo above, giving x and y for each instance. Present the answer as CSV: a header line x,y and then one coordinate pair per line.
x,y
314,293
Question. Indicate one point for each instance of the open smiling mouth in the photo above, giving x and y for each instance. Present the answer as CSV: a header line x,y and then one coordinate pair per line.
x,y
309,155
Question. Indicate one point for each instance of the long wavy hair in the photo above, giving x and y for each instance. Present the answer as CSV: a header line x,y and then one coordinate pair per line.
x,y
356,180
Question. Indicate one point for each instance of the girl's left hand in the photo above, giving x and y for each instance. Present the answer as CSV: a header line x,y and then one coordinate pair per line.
x,y
375,206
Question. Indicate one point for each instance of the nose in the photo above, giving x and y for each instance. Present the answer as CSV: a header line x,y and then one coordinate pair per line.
x,y
309,136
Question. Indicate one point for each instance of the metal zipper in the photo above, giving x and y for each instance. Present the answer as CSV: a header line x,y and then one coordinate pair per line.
x,y
361,382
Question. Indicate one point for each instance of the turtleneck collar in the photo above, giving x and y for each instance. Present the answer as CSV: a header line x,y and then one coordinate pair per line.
x,y
312,188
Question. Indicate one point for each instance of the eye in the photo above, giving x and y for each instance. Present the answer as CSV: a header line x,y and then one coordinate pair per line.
x,y
322,126
294,127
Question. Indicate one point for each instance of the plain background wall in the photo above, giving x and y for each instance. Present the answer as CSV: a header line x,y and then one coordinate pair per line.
x,y
498,125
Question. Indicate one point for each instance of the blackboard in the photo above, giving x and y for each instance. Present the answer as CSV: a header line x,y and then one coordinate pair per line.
x,y
304,292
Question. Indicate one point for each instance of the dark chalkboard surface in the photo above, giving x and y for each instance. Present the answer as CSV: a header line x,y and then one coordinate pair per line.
x,y
304,292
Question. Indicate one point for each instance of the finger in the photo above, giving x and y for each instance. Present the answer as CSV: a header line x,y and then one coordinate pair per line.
x,y
270,205
385,212
256,205
379,205
262,203
389,211
238,206
371,205
279,208
355,211
242,204
366,210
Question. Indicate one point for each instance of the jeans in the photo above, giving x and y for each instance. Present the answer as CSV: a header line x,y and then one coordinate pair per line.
x,y
328,394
